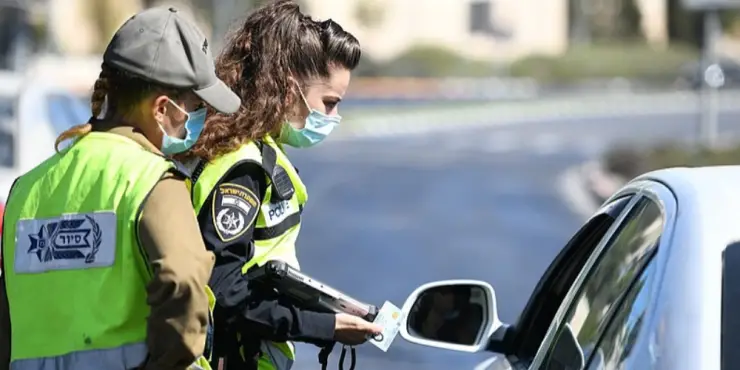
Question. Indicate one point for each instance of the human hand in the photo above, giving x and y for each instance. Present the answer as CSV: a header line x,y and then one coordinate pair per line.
x,y
352,330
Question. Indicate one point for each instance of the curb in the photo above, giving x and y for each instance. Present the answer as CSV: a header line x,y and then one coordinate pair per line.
x,y
600,182
585,187
575,192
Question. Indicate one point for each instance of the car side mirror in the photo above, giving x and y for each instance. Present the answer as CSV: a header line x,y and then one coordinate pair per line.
x,y
458,315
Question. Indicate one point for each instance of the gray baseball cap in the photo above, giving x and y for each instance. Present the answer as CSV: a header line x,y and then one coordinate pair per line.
x,y
161,45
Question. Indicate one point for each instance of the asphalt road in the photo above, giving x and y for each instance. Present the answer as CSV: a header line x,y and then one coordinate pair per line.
x,y
388,214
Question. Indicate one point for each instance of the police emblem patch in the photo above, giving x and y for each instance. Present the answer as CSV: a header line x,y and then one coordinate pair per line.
x,y
71,241
234,210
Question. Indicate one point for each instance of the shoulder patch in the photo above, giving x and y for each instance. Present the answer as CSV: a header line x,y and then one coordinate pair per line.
x,y
234,210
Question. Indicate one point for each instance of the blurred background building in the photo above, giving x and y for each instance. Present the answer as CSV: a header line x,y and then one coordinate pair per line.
x,y
493,30
483,30
547,40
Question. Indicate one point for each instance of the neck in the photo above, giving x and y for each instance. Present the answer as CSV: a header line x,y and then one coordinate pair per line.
x,y
150,131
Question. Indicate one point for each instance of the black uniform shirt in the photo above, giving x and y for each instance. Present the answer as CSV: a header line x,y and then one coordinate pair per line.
x,y
257,314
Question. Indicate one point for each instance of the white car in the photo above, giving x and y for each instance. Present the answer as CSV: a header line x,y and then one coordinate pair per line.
x,y
33,111
651,281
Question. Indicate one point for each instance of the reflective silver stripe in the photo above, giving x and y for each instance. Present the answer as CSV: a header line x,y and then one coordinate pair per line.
x,y
276,356
125,357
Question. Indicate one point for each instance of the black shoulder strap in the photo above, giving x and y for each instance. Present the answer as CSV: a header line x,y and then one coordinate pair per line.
x,y
282,187
197,171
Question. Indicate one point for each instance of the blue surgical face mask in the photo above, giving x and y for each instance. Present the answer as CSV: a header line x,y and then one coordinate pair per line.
x,y
193,127
318,127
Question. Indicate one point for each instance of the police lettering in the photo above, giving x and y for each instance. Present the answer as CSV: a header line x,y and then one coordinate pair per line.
x,y
278,210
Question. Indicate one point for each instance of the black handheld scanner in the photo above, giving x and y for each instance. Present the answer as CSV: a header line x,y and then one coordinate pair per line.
x,y
308,292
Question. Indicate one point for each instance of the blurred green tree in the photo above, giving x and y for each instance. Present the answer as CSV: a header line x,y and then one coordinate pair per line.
x,y
108,15
687,27
435,61
610,20
369,67
630,21
684,27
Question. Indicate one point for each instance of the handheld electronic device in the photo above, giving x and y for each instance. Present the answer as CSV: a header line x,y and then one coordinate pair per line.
x,y
308,292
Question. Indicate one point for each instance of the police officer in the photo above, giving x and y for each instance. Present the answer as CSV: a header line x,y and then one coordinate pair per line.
x,y
103,264
291,73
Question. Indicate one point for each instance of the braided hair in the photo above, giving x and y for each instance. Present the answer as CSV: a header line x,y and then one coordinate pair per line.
x,y
115,95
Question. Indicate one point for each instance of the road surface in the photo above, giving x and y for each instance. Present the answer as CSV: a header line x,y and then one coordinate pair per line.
x,y
388,214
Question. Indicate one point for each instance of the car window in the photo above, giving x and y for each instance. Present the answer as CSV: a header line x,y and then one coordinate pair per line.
x,y
623,259
65,111
549,293
617,346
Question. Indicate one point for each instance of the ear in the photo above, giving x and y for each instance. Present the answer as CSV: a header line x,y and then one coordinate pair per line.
x,y
159,107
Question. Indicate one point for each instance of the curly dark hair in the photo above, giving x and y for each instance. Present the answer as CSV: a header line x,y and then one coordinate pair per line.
x,y
124,91
274,44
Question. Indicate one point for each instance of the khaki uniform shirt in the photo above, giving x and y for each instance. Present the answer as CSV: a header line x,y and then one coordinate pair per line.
x,y
169,233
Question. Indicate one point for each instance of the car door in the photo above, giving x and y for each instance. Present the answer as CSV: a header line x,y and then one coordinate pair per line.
x,y
618,271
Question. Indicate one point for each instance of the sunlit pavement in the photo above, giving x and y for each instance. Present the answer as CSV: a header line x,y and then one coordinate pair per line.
x,y
388,214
